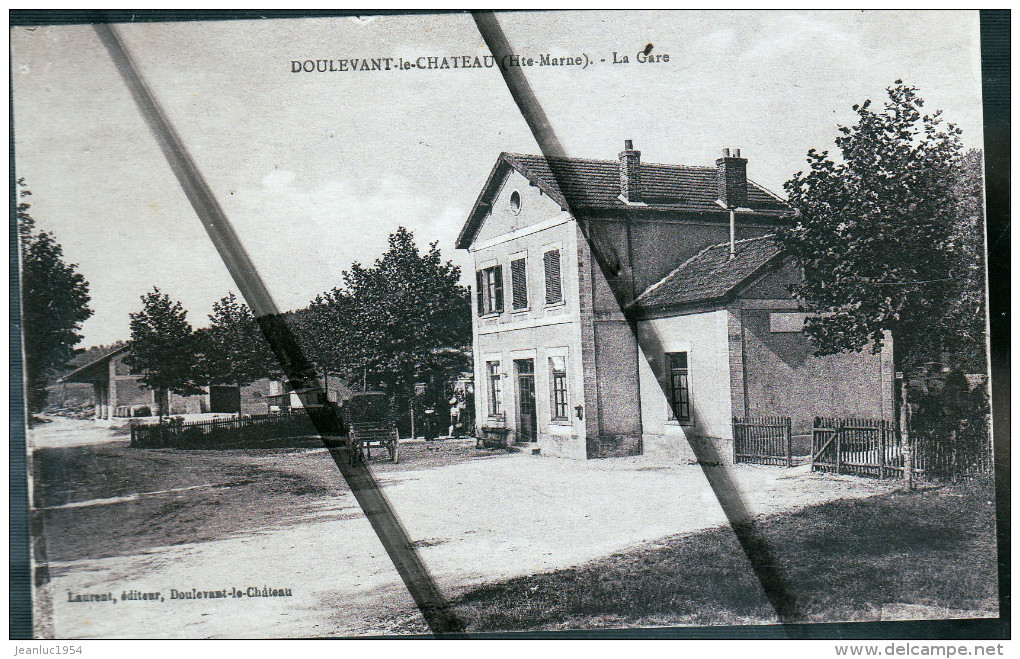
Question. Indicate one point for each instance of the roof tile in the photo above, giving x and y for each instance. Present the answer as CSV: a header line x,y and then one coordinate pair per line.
x,y
710,274
596,184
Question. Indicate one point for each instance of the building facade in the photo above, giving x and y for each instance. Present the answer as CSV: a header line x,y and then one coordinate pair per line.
x,y
590,337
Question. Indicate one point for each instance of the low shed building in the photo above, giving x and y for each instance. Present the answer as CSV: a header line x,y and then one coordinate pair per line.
x,y
120,393
727,339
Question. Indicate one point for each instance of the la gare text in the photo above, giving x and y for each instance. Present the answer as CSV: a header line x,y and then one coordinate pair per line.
x,y
440,62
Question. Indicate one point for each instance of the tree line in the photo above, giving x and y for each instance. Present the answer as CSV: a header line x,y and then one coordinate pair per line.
x,y
402,321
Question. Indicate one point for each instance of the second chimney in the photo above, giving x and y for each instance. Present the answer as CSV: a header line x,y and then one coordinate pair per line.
x,y
732,178
630,172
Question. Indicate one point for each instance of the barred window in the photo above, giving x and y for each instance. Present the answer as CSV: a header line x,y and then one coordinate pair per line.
x,y
558,386
553,286
489,283
519,283
679,387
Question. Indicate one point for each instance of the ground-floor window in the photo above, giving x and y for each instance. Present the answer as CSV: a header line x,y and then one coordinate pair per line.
x,y
558,385
679,387
495,389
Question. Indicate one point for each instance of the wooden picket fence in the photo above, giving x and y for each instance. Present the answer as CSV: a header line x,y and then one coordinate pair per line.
x,y
763,440
859,447
250,430
955,454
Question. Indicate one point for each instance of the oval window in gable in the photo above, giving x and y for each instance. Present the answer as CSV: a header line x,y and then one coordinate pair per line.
x,y
515,202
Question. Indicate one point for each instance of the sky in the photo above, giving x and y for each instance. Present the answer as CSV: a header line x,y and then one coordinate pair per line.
x,y
315,170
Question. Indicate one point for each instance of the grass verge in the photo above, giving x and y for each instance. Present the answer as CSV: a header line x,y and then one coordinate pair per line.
x,y
842,561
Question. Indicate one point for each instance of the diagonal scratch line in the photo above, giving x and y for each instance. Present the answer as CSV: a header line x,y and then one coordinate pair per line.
x,y
295,365
713,464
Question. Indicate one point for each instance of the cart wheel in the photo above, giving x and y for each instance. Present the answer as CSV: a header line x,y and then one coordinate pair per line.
x,y
394,451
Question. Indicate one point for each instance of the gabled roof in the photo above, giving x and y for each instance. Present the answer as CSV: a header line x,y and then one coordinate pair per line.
x,y
595,185
711,275
93,370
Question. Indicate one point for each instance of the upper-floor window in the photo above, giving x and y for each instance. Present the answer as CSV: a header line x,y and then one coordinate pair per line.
x,y
679,387
515,202
519,283
553,285
489,283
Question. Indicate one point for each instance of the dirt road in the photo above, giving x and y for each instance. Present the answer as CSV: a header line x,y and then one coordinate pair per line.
x,y
119,519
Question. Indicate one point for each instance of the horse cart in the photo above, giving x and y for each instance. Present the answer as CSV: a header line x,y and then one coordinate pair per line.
x,y
370,424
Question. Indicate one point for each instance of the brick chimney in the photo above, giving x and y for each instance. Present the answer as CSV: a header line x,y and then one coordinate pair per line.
x,y
732,178
630,172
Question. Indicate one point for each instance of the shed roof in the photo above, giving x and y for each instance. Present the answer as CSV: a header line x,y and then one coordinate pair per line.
x,y
95,369
711,275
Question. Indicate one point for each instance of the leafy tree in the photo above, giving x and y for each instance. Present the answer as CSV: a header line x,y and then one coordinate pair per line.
x,y
326,333
163,347
964,324
234,350
405,319
54,304
891,238
878,233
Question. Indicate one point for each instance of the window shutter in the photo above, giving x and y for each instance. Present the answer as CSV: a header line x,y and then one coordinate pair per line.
x,y
497,273
553,288
480,292
519,283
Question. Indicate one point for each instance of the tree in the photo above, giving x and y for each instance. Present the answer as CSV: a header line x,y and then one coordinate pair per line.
x,y
234,350
326,333
877,233
163,347
54,304
964,325
891,239
405,319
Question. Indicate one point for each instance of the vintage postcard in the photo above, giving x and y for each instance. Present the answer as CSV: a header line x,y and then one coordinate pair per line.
x,y
516,322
